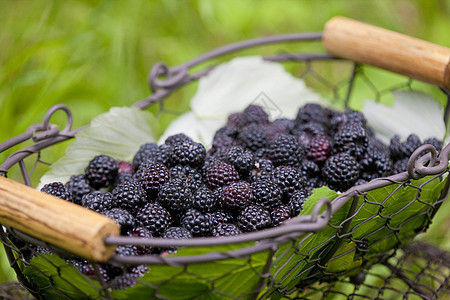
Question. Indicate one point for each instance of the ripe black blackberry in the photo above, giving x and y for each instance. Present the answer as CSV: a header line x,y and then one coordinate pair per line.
x,y
220,174
224,137
152,176
98,201
191,177
224,229
285,150
175,196
124,281
309,169
221,216
400,166
266,193
197,223
289,179
296,202
351,138
341,171
125,219
403,149
261,170
57,189
255,114
153,152
130,196
375,164
242,160
318,149
236,196
277,128
187,153
176,233
434,142
101,171
177,138
280,214
311,112
86,268
154,217
78,187
123,177
204,200
349,116
253,137
126,250
253,218
141,232
236,120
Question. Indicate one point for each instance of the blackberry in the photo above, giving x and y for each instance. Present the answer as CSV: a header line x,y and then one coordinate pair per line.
x,y
57,189
285,150
101,171
221,216
126,250
87,269
236,196
242,160
400,166
220,174
122,217
124,281
435,143
288,179
296,202
255,114
375,164
224,229
341,171
236,120
176,233
153,152
400,150
154,217
261,170
262,153
279,215
204,200
141,232
224,137
253,218
309,169
349,116
190,176
196,223
175,196
266,193
78,187
311,112
152,176
123,177
253,137
318,149
376,144
351,138
130,196
176,139
277,128
98,201
187,153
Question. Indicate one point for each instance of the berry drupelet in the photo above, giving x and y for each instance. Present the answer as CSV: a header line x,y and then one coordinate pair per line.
x,y
57,189
101,171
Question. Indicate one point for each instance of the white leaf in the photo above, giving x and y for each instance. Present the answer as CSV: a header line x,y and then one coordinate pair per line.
x,y
118,133
412,112
234,85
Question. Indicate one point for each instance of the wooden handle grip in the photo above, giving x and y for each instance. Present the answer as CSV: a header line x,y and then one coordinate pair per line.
x,y
388,50
56,221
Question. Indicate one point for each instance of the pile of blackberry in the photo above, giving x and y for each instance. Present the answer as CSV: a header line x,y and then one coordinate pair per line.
x,y
257,174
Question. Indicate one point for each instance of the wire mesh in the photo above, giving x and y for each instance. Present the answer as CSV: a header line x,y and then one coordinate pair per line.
x,y
330,254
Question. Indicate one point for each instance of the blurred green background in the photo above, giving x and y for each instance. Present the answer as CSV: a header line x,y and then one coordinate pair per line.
x,y
92,55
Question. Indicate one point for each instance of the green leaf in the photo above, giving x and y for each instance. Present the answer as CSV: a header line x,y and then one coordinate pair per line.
x,y
343,259
118,133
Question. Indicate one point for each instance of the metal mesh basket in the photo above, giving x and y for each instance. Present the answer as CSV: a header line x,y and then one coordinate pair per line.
x,y
356,246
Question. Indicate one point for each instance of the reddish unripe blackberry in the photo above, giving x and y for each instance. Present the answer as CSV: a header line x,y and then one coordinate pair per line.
x,y
141,232
130,196
220,174
261,170
253,137
285,150
375,164
280,214
242,160
221,216
224,229
253,218
154,217
175,196
122,217
341,171
196,223
98,201
57,189
400,150
288,180
187,153
176,139
152,176
153,152
351,138
204,200
266,193
78,187
236,196
318,149
126,167
296,202
191,177
101,171
311,112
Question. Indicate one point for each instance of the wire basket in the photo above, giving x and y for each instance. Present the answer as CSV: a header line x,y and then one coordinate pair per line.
x,y
356,246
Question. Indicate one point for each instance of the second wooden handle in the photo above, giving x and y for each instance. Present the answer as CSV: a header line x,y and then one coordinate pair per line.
x,y
388,50
56,221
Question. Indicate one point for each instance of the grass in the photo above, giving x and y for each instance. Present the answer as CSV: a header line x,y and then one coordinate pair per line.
x,y
92,55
